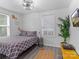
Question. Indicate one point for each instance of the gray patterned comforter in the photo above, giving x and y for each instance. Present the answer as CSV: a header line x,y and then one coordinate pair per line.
x,y
13,46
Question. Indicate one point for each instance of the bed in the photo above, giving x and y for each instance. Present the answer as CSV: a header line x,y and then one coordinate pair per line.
x,y
13,46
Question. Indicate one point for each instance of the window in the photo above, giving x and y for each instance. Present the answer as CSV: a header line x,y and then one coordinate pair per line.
x,y
4,25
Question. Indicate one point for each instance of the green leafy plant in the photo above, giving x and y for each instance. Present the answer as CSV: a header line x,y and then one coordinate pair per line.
x,y
64,28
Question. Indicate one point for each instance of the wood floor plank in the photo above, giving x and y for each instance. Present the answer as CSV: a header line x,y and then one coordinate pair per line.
x,y
44,54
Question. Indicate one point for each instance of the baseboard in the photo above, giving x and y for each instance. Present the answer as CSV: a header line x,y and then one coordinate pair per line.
x,y
51,45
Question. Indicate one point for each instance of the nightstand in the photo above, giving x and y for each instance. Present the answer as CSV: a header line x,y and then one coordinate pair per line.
x,y
40,42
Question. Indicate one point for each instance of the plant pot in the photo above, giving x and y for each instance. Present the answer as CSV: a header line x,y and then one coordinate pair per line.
x,y
64,43
67,46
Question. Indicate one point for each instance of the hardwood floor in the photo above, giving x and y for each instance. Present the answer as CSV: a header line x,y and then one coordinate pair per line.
x,y
33,51
32,54
44,54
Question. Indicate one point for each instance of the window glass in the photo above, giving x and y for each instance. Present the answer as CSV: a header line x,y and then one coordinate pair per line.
x,y
4,25
3,31
3,20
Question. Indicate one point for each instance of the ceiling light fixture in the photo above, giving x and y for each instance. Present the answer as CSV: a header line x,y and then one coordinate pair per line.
x,y
28,4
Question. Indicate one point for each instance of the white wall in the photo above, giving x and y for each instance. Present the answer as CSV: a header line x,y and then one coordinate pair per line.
x,y
13,26
32,21
74,31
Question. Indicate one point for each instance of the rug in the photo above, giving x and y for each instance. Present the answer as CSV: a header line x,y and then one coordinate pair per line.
x,y
44,54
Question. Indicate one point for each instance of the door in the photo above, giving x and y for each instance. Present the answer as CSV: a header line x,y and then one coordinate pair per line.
x,y
48,29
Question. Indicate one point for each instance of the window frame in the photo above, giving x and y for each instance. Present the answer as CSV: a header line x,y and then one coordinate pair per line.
x,y
7,25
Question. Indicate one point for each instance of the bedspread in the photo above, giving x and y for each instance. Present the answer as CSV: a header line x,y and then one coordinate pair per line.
x,y
13,46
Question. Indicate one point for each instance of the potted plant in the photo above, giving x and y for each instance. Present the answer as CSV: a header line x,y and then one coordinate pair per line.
x,y
64,28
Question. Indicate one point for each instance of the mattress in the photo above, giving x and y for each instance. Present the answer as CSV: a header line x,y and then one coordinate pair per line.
x,y
13,46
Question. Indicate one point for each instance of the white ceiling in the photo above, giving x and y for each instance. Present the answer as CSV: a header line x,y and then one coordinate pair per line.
x,y
40,5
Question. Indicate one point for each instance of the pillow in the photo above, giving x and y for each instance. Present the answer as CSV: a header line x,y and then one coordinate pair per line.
x,y
68,46
22,33
31,33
